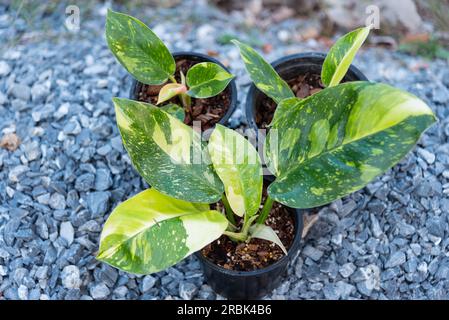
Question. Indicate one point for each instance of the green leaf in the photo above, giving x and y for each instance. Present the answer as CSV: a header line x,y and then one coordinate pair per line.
x,y
168,154
264,232
151,231
238,165
169,91
340,56
263,74
207,79
174,110
338,140
138,49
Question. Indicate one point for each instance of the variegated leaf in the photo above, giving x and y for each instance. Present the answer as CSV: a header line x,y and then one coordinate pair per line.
x,y
238,165
168,154
138,49
338,140
151,231
264,232
263,74
174,110
207,79
340,56
169,91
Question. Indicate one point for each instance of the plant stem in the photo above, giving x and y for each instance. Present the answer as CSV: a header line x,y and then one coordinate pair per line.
x,y
172,79
247,224
234,236
229,212
265,210
186,101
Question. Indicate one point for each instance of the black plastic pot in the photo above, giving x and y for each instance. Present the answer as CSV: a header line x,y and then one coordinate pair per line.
x,y
251,284
193,56
288,68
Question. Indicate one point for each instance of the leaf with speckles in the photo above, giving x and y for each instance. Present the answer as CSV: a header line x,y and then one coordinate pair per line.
x,y
263,74
138,49
168,154
175,110
335,142
340,56
207,79
152,231
238,165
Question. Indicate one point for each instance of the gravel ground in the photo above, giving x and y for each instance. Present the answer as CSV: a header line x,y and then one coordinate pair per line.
x,y
388,241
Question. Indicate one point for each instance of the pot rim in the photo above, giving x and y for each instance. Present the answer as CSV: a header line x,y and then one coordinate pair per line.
x,y
285,259
232,84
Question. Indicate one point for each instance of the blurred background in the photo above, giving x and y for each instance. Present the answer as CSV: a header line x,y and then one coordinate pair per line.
x,y
414,26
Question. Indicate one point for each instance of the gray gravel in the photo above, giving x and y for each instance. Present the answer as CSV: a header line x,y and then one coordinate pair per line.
x,y
388,241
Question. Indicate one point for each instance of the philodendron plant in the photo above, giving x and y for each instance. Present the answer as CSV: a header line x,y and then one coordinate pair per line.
x,y
162,225
146,57
320,149
336,141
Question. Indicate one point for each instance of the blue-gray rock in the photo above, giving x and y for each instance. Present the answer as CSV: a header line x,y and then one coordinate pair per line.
x,y
347,269
85,182
72,127
22,292
148,282
396,259
70,277
187,290
99,291
312,253
20,91
5,69
330,292
57,201
39,92
103,179
98,203
435,226
32,150
67,232
16,172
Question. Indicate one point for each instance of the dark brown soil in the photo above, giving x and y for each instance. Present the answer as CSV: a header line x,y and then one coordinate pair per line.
x,y
257,253
302,86
209,111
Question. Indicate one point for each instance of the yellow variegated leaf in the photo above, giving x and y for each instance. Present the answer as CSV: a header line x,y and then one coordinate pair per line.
x,y
263,75
207,79
338,140
138,49
340,56
238,165
169,91
151,231
168,154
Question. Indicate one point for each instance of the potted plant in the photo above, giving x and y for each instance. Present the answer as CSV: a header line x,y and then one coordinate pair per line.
x,y
210,198
200,193
299,75
191,85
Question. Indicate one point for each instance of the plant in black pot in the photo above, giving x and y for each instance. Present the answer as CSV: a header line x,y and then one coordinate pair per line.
x,y
298,75
210,198
190,85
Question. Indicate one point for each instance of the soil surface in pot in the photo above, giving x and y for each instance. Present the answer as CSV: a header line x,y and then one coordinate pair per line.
x,y
209,111
302,86
257,253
